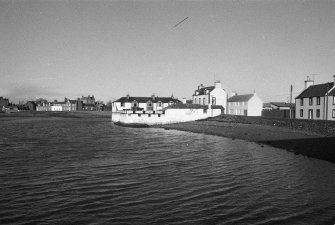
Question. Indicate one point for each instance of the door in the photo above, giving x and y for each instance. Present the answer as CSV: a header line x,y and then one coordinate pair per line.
x,y
310,114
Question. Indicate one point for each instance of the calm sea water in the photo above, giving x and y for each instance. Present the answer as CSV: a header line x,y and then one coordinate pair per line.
x,y
88,171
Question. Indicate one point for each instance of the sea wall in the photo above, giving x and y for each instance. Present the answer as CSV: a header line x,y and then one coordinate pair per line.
x,y
312,126
172,115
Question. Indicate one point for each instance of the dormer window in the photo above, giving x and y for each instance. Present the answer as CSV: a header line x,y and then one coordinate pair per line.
x,y
196,92
134,104
207,91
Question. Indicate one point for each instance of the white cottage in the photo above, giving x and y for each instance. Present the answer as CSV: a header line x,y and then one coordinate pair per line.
x,y
245,105
213,95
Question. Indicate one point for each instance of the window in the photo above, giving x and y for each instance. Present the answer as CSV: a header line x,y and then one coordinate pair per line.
x,y
333,113
195,101
203,101
301,113
318,100
310,101
318,113
159,104
301,101
213,100
334,100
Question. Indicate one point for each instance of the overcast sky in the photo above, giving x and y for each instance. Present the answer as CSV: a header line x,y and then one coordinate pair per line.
x,y
56,49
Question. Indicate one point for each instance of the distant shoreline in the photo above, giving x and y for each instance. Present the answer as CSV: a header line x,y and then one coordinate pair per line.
x,y
65,114
310,144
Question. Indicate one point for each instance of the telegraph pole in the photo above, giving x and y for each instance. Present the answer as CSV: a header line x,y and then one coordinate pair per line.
x,y
291,101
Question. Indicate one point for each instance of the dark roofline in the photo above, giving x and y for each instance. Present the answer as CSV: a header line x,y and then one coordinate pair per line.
x,y
240,98
318,90
147,99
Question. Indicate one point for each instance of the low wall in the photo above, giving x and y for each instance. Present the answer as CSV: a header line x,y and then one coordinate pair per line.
x,y
313,126
170,116
276,113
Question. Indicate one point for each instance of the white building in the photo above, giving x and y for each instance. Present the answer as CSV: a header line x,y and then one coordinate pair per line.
x,y
152,104
213,95
316,102
245,105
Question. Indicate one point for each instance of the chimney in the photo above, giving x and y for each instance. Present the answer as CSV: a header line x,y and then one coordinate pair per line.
x,y
233,93
153,96
308,82
128,96
200,86
217,84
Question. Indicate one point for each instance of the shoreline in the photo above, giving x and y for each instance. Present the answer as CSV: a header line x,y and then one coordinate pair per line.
x,y
309,144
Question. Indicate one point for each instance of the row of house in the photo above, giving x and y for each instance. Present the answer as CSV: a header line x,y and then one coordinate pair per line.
x,y
249,105
153,104
81,104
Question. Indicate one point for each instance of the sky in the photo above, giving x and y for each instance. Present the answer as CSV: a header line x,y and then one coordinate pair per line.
x,y
55,48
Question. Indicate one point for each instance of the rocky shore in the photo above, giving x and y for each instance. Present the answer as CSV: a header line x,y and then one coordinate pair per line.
x,y
308,143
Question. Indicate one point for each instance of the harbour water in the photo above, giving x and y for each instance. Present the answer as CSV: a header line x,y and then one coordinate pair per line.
x,y
57,170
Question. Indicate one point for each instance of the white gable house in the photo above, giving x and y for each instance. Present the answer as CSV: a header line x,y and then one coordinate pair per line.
x,y
245,105
213,95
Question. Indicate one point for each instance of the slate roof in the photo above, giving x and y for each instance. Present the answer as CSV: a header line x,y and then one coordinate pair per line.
x,y
146,99
316,90
202,91
282,104
266,105
240,98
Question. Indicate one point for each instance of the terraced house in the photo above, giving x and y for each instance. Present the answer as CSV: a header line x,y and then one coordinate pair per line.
x,y
153,104
316,102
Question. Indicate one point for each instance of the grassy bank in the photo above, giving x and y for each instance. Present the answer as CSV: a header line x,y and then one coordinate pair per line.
x,y
309,143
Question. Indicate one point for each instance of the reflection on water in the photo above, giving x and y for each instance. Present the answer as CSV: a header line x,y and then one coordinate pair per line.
x,y
88,171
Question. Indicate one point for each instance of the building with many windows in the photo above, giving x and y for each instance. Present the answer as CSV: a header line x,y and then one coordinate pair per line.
x,y
153,104
316,102
212,95
245,105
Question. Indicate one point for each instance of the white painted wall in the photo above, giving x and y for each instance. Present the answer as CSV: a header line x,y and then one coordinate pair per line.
x,y
221,97
306,107
170,116
331,107
56,108
255,106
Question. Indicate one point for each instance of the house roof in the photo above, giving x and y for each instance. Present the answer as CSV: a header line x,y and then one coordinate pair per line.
x,y
282,104
146,99
316,90
240,98
266,105
332,93
202,91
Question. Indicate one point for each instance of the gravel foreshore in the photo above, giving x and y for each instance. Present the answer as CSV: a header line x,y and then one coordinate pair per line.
x,y
299,142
